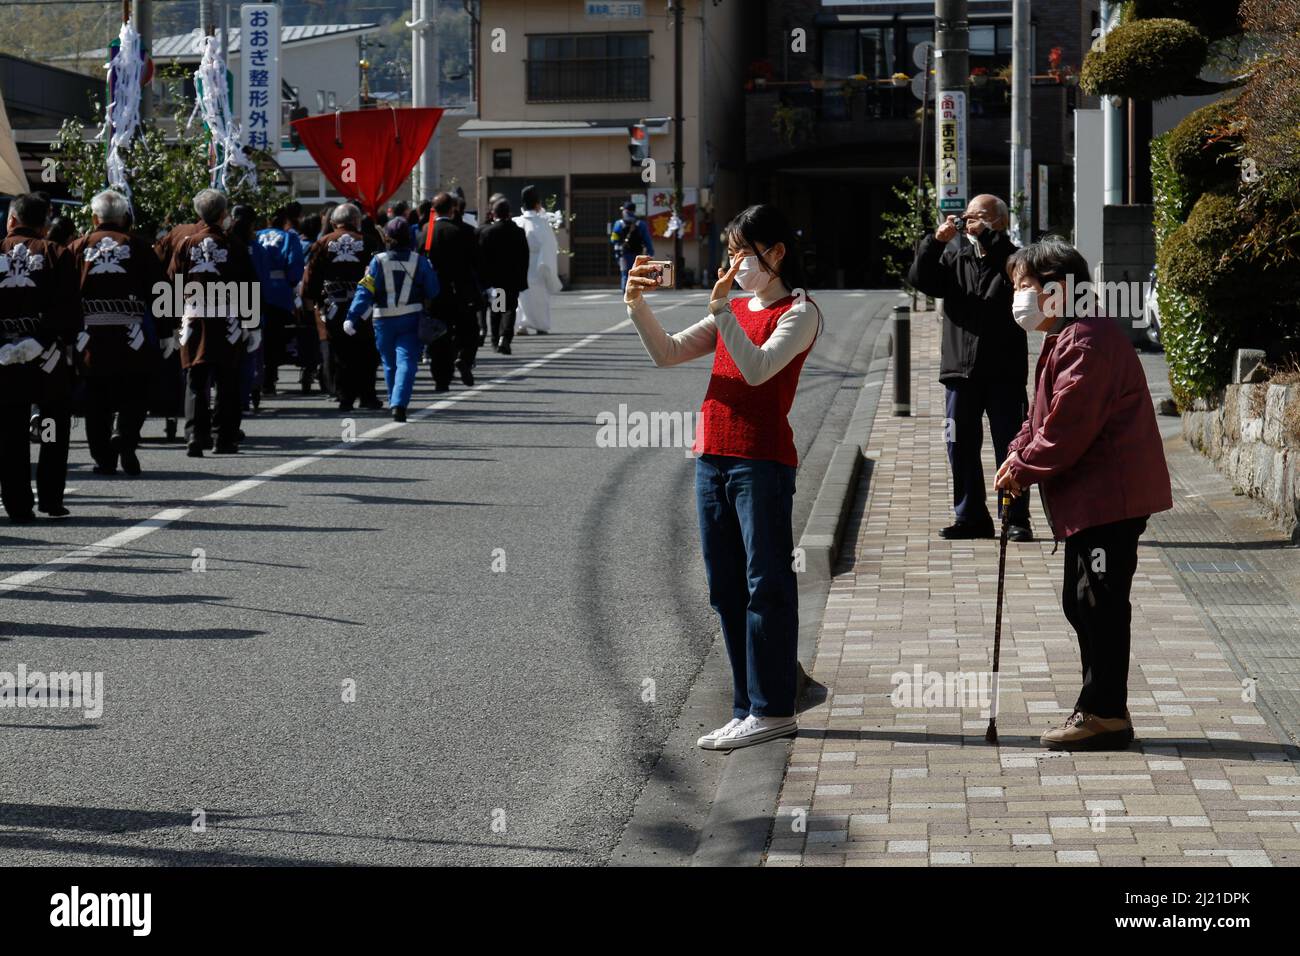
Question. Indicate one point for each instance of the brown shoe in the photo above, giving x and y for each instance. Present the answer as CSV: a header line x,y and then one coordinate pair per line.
x,y
1089,732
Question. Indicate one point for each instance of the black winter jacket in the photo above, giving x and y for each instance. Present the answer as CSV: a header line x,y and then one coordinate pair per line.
x,y
980,338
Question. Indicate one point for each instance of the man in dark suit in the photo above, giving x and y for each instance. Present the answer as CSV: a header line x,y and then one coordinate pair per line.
x,y
503,255
452,251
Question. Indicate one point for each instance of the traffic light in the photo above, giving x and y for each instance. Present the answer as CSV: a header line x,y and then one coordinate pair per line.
x,y
639,144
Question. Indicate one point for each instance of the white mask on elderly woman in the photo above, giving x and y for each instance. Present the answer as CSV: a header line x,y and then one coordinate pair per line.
x,y
1025,310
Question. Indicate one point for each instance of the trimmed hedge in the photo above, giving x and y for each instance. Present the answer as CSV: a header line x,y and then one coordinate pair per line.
x,y
1202,152
1145,60
1196,366
1215,19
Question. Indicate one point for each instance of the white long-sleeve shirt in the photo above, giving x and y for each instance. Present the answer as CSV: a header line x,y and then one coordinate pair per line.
x,y
795,331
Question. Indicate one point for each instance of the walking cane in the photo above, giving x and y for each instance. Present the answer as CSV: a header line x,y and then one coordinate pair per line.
x,y
1004,504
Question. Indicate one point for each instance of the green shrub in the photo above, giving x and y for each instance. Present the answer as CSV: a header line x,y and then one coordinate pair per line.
x,y
1215,19
1203,148
1198,258
1146,60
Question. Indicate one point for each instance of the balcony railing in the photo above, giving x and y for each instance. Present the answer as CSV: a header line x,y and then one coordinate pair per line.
x,y
599,80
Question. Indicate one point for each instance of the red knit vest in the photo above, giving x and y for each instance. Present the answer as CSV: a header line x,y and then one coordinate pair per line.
x,y
751,421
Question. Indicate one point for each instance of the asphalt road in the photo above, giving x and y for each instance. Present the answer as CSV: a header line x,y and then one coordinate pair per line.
x,y
521,611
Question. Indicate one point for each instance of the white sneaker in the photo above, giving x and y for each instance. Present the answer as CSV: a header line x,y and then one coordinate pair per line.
x,y
755,730
709,740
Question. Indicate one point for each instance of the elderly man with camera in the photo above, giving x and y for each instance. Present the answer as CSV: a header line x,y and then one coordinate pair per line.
x,y
984,360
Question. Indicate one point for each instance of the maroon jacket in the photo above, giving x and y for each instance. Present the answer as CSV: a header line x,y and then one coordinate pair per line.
x,y
1091,439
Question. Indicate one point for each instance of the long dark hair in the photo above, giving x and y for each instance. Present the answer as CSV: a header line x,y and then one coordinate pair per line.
x,y
766,225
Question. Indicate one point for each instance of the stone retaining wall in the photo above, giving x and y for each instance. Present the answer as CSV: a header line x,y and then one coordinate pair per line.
x,y
1254,451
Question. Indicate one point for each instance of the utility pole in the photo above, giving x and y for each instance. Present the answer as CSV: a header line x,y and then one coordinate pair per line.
x,y
1021,194
1112,125
679,125
424,67
952,75
207,22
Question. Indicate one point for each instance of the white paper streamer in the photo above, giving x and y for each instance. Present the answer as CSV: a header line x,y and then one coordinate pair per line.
x,y
214,107
122,115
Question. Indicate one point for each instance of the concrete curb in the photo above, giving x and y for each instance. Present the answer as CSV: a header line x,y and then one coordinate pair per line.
x,y
749,789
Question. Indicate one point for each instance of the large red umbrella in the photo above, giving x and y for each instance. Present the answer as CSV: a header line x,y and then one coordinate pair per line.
x,y
367,154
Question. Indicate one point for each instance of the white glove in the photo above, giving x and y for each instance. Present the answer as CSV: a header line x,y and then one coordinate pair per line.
x,y
7,354
254,340
83,339
168,346
187,330
27,349
349,327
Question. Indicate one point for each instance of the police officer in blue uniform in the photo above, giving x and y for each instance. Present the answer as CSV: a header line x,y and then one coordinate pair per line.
x,y
279,261
397,289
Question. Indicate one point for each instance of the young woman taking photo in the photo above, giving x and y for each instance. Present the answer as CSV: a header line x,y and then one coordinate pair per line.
x,y
744,475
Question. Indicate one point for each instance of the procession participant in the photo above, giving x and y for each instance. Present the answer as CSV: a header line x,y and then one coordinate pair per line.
x,y
119,350
543,278
474,298
51,422
280,262
335,265
452,253
242,226
39,313
503,252
745,473
212,340
399,284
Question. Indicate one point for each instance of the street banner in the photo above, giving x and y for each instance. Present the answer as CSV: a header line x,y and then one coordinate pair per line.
x,y
259,74
951,152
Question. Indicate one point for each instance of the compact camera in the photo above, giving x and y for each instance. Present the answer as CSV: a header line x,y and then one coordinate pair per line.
x,y
663,272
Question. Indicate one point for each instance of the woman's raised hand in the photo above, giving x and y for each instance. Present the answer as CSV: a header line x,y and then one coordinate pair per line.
x,y
640,278
722,288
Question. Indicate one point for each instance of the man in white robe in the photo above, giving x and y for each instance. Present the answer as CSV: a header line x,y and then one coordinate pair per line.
x,y
543,276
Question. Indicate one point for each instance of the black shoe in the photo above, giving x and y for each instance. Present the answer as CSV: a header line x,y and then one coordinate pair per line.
x,y
105,469
442,388
345,406
399,414
1020,532
227,449
542,332
504,349
194,450
466,375
968,530
55,511
209,444
371,404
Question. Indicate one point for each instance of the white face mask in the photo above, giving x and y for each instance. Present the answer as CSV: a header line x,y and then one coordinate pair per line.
x,y
1025,310
752,277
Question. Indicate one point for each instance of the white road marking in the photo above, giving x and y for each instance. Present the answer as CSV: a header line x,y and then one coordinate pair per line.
x,y
170,515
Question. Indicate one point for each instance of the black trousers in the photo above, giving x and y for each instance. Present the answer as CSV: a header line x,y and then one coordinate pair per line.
x,y
224,378
503,320
354,360
277,326
458,347
124,397
15,449
1099,567
967,402
55,432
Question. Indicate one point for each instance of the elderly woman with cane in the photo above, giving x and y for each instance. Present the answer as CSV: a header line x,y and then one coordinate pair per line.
x,y
1092,445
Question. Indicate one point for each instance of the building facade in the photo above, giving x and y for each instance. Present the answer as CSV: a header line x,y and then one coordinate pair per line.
x,y
561,82
832,123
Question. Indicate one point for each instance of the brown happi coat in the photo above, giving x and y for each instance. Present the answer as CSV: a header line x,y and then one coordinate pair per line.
x,y
116,275
206,254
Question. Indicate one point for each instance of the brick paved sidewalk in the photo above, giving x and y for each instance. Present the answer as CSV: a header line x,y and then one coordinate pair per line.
x,y
869,783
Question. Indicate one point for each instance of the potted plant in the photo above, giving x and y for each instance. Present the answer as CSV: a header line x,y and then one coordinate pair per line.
x,y
900,79
979,76
760,71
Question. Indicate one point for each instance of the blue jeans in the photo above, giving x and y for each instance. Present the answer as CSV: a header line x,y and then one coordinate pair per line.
x,y
398,341
746,510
